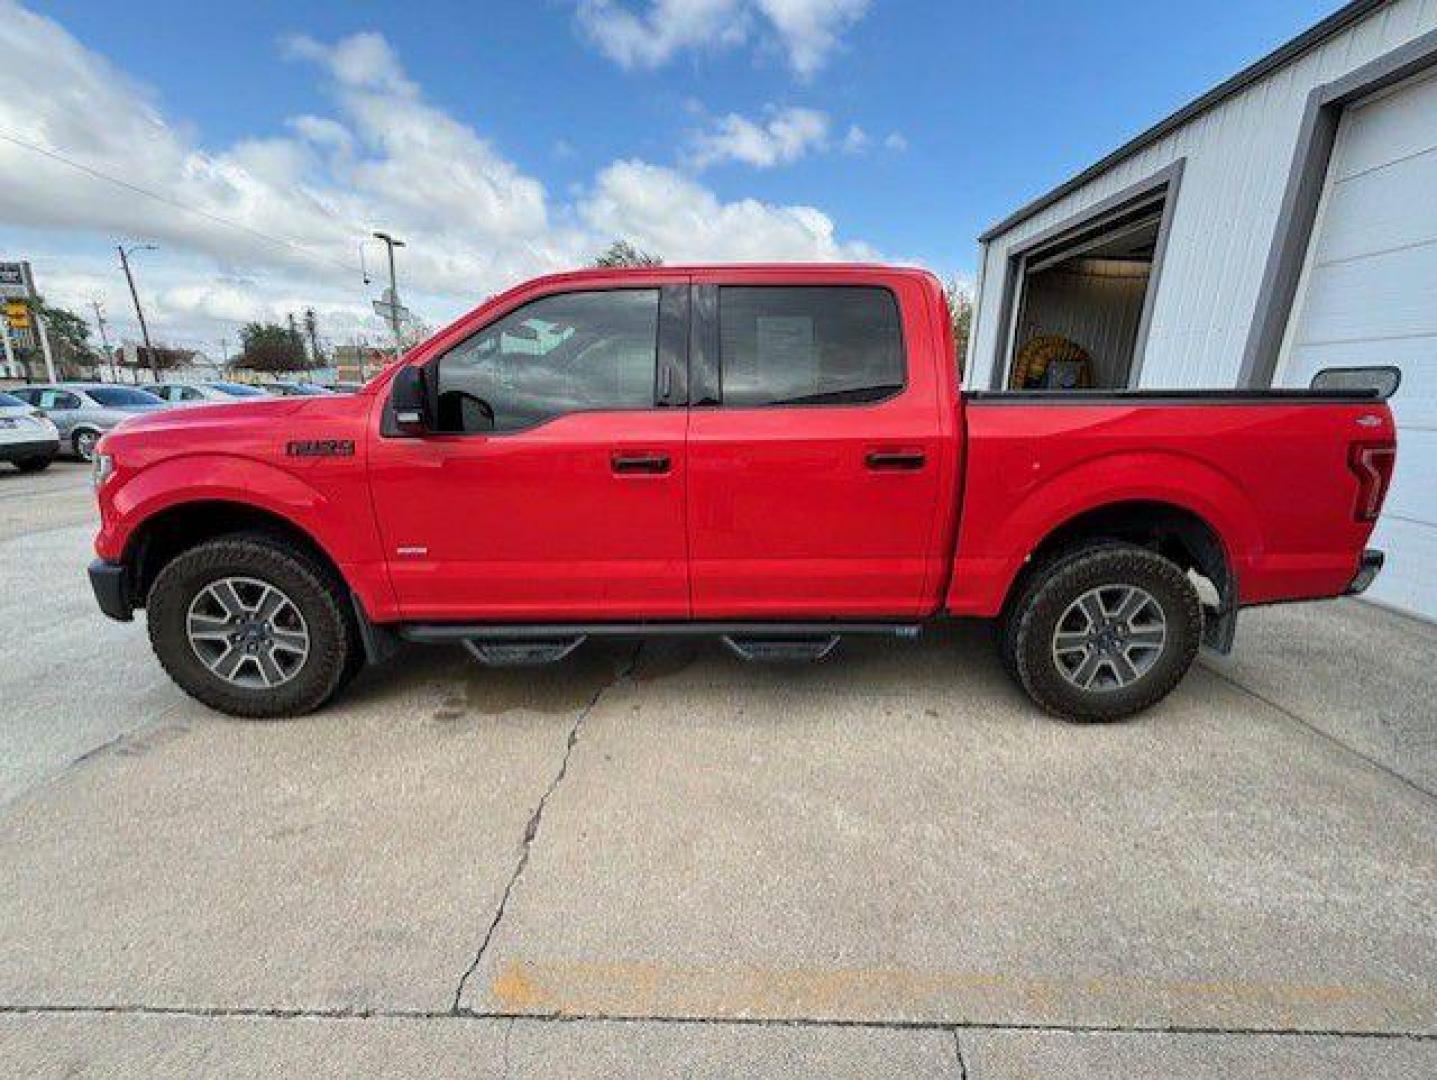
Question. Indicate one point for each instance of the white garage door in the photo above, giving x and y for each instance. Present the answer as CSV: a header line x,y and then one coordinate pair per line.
x,y
1369,296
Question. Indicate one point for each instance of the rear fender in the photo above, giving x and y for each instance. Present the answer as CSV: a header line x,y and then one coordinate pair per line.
x,y
997,539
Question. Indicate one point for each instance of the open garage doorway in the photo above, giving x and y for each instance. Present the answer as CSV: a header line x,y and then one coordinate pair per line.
x,y
1081,295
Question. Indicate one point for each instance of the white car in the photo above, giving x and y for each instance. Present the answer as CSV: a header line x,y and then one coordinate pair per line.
x,y
205,393
28,439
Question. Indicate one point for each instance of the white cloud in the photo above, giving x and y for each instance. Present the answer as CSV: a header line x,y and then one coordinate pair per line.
x,y
856,140
806,31
661,210
784,136
810,29
274,222
895,141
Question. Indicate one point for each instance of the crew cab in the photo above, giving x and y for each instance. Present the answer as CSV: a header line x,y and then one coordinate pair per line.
x,y
777,456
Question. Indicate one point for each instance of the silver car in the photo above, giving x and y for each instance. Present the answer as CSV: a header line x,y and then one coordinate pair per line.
x,y
85,411
204,393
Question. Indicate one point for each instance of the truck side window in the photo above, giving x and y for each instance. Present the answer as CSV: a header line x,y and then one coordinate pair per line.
x,y
810,345
571,352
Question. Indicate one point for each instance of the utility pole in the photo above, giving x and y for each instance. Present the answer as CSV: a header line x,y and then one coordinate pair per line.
x,y
104,339
135,296
391,243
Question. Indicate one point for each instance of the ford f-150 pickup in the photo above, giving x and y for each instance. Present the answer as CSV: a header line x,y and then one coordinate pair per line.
x,y
777,456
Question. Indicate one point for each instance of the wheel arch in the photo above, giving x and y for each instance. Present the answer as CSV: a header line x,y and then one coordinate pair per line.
x,y
1177,532
182,526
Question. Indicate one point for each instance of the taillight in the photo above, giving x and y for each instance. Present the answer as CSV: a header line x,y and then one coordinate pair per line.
x,y
1372,464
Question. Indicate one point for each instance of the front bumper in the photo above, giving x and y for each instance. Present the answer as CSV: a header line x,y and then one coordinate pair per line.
x,y
25,451
112,589
1367,569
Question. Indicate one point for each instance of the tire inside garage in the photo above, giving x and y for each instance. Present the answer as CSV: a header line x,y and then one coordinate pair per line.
x,y
1369,296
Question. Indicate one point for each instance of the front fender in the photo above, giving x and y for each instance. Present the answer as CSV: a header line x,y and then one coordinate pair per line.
x,y
332,509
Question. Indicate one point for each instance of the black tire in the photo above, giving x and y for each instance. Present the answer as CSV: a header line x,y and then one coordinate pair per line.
x,y
84,442
34,464
320,600
1027,635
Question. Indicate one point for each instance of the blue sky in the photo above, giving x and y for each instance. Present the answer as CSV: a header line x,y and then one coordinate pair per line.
x,y
907,127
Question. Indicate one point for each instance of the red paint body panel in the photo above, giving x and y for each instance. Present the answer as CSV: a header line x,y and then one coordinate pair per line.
x,y
1271,479
765,513
786,518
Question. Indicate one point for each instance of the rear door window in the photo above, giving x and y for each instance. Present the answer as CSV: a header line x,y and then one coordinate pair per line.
x,y
809,345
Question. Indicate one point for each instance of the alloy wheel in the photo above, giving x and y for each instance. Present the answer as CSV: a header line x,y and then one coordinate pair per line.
x,y
1109,638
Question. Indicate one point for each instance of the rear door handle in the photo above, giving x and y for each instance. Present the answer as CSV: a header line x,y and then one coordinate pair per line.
x,y
641,463
895,460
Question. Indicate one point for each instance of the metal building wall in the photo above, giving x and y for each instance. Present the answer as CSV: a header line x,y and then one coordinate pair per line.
x,y
1238,154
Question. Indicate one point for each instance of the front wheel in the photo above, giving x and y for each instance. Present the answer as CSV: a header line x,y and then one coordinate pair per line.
x,y
1104,633
252,627
33,465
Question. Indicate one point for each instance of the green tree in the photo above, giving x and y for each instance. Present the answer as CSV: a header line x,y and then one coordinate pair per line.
x,y
271,347
70,344
623,253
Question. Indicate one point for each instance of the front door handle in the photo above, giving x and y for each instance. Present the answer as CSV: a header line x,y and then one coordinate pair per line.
x,y
648,464
895,460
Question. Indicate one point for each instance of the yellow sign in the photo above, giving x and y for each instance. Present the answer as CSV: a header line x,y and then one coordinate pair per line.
x,y
17,314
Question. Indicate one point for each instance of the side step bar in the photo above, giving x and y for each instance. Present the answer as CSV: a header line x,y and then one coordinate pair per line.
x,y
522,644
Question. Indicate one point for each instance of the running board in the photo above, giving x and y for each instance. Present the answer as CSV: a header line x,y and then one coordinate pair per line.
x,y
521,653
493,633
776,650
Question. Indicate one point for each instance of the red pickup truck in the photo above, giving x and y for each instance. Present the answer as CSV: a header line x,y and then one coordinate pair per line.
x,y
774,455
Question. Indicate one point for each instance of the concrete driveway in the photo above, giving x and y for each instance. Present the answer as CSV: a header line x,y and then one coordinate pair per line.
x,y
658,861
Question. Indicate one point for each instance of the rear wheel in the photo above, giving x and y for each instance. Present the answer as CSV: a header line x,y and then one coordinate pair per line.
x,y
1103,633
251,626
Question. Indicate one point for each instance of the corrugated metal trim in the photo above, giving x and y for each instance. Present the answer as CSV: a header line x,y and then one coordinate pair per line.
x,y
1310,39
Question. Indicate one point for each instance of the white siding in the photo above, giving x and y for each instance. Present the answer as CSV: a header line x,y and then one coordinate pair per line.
x,y
1238,157
1369,295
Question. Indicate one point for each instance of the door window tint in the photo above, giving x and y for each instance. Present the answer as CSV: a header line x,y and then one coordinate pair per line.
x,y
824,345
561,354
58,399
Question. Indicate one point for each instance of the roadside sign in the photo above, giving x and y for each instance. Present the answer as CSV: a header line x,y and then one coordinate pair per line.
x,y
17,314
16,281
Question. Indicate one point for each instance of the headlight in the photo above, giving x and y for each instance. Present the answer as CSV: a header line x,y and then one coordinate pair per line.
x,y
103,466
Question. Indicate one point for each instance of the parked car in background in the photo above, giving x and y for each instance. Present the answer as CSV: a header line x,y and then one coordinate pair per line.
x,y
29,440
84,411
202,393
296,389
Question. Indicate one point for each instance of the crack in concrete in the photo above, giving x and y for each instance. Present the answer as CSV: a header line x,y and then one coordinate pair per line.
x,y
531,828
468,1016
958,1054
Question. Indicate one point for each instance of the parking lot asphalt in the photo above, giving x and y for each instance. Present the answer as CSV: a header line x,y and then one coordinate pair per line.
x,y
656,860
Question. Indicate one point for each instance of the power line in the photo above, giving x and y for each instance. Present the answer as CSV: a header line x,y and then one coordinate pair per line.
x,y
171,202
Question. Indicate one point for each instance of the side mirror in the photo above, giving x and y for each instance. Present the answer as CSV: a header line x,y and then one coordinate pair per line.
x,y
410,399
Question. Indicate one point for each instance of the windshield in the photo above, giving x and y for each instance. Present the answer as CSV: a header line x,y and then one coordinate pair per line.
x,y
8,402
121,396
234,389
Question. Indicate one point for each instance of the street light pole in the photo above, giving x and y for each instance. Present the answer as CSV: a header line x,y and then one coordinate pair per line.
x,y
391,243
104,339
135,296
